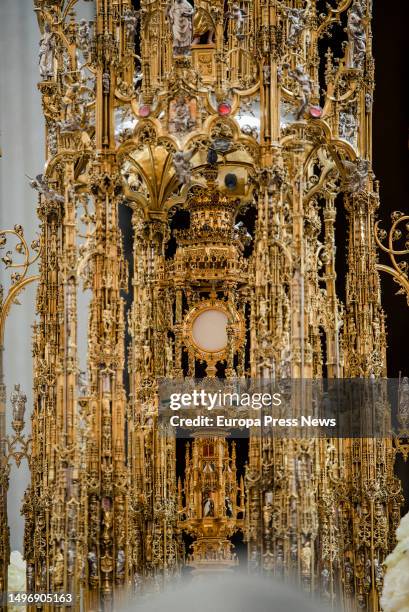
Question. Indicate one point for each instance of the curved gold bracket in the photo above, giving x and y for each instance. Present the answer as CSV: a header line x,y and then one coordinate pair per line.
x,y
19,280
398,270
398,277
13,293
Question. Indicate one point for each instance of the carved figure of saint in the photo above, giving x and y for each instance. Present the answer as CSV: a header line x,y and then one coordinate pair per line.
x,y
305,86
208,507
120,563
30,577
356,36
46,53
131,18
325,576
147,360
306,555
181,120
356,175
18,402
237,15
59,569
297,19
93,567
180,15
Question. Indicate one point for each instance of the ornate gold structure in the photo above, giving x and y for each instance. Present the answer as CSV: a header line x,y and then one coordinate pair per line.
x,y
211,503
198,121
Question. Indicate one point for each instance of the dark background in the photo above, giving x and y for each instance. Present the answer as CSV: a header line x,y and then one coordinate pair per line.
x,y
390,154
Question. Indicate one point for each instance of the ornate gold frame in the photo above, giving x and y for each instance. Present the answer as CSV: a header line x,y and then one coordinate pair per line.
x,y
237,326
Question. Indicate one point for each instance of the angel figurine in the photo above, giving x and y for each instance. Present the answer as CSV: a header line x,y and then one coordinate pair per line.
x,y
305,86
182,165
131,18
356,175
237,15
40,184
297,19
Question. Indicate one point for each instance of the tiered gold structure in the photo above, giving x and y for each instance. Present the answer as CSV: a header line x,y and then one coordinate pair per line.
x,y
207,113
211,502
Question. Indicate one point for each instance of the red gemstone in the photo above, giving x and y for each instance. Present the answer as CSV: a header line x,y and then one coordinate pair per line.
x,y
224,108
144,110
315,111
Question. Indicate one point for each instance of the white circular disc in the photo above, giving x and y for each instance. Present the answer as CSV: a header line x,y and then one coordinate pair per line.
x,y
209,330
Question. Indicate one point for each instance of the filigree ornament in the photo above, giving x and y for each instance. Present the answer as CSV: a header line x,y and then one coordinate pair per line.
x,y
18,446
399,269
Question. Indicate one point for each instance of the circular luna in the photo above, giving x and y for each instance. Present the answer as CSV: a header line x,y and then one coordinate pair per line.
x,y
206,329
209,330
